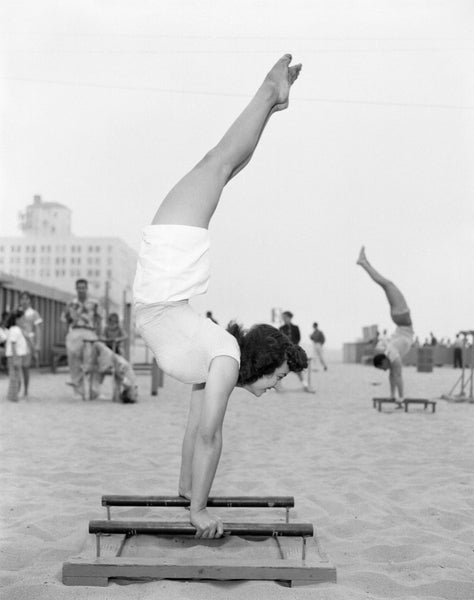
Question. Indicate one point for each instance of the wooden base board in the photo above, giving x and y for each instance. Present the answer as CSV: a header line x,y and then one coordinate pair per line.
x,y
232,558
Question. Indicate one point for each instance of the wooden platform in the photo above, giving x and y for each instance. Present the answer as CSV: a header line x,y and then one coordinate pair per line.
x,y
379,402
146,550
178,557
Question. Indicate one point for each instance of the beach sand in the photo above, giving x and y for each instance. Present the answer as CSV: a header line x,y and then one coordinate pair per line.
x,y
390,494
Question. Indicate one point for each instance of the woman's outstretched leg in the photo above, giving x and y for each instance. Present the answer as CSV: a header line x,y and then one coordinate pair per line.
x,y
399,310
194,198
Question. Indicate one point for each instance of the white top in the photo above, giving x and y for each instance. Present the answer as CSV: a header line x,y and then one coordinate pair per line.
x,y
15,336
174,266
398,345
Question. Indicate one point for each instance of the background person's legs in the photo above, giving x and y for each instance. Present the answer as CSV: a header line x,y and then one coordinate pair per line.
x,y
194,198
399,310
74,347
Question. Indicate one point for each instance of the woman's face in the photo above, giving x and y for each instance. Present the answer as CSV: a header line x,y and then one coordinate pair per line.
x,y
259,387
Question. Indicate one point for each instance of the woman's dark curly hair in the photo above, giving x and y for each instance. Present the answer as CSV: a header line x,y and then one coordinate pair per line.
x,y
13,317
263,349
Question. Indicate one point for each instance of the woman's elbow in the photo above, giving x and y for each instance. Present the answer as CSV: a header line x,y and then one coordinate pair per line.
x,y
210,436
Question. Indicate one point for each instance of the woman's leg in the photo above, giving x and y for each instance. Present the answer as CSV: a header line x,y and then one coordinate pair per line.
x,y
194,198
399,310
26,378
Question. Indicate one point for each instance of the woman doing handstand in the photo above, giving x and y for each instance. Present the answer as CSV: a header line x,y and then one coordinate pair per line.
x,y
391,351
173,266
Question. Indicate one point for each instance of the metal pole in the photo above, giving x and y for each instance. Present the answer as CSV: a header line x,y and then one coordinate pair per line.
x,y
97,544
303,549
464,356
287,514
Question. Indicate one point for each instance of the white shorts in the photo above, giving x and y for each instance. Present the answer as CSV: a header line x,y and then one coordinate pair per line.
x,y
174,266
399,343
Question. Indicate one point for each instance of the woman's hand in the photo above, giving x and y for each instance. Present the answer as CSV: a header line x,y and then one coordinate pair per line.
x,y
207,525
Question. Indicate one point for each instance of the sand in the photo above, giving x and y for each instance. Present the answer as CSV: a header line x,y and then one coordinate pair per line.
x,y
390,494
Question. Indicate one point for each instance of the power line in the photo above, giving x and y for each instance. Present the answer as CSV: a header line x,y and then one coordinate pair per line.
x,y
235,95
221,52
233,37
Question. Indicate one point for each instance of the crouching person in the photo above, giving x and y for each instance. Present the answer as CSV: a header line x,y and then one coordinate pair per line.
x,y
106,362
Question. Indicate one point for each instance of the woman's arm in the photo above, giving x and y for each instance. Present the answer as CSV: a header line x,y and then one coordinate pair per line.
x,y
222,378
396,379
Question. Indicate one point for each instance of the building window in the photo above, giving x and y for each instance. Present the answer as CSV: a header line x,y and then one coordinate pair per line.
x,y
97,248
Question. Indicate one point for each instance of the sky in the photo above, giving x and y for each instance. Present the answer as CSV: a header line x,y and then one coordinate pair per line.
x,y
105,105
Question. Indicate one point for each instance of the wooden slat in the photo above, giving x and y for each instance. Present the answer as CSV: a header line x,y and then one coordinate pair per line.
x,y
85,572
183,528
216,501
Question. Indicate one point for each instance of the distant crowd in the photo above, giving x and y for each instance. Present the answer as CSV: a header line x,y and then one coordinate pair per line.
x,y
93,350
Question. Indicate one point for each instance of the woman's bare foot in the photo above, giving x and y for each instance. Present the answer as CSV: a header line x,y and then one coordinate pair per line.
x,y
362,260
281,77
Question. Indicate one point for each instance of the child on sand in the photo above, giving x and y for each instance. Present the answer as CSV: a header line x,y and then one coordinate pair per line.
x,y
173,266
16,351
390,352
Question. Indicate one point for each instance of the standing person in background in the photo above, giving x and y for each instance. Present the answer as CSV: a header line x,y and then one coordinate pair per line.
x,y
318,338
3,339
16,349
83,319
292,332
457,358
32,326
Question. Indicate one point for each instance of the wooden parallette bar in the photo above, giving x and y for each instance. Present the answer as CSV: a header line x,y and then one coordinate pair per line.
x,y
378,402
216,501
183,528
424,401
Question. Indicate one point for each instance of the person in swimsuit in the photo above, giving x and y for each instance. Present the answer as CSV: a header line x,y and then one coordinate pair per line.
x,y
173,266
390,351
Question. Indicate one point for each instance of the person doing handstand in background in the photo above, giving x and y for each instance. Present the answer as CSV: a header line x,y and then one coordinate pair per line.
x,y
173,266
390,351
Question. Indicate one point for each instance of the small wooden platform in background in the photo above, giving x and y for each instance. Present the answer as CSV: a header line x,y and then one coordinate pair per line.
x,y
378,403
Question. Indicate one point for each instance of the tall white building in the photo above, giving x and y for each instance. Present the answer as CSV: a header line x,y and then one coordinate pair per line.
x,y
50,254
